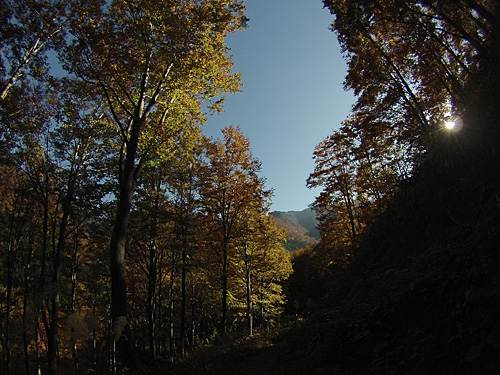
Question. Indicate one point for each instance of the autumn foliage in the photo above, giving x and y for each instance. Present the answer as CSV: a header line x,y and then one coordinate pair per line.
x,y
405,278
127,238
414,66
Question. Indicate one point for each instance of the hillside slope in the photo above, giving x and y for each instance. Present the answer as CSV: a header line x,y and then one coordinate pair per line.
x,y
300,228
423,294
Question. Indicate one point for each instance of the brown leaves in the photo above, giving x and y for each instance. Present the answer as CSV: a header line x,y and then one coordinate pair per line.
x,y
412,58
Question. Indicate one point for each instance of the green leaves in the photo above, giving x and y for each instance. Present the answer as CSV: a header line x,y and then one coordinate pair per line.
x,y
153,64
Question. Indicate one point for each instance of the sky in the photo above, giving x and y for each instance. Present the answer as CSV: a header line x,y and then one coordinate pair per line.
x,y
293,98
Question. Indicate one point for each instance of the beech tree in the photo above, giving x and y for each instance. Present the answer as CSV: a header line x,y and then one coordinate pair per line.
x,y
358,167
229,185
184,190
161,230
27,30
409,64
15,223
149,252
262,264
59,158
152,63
335,170
409,61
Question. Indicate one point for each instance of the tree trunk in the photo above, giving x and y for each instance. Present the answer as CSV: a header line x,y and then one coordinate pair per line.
x,y
183,294
193,309
153,279
128,179
224,289
186,215
262,305
119,283
113,358
171,307
26,287
249,297
37,346
25,335
94,338
225,245
74,267
161,338
52,340
10,283
151,308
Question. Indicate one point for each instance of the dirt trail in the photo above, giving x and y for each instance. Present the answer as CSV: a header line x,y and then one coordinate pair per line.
x,y
267,360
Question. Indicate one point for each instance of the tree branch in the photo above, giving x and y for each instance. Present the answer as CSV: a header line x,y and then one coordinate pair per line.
x,y
153,99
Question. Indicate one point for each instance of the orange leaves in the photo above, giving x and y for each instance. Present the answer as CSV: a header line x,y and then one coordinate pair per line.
x,y
245,241
357,168
9,178
409,58
406,62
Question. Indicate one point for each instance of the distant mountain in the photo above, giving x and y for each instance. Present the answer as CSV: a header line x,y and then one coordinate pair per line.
x,y
299,226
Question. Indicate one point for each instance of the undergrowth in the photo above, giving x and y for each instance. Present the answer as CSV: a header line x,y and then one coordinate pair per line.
x,y
423,293
226,350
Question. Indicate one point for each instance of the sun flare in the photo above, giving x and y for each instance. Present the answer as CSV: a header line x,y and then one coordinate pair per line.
x,y
450,124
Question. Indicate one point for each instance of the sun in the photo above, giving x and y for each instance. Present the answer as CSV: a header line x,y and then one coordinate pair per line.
x,y
450,124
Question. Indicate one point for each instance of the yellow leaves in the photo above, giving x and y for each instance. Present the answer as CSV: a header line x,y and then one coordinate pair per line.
x,y
138,39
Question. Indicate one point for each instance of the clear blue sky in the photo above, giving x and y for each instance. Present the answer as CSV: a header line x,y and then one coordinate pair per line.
x,y
292,98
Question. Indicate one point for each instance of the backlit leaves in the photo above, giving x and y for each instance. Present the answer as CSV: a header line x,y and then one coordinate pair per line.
x,y
412,58
408,63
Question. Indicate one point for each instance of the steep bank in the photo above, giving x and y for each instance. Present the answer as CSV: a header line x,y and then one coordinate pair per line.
x,y
422,296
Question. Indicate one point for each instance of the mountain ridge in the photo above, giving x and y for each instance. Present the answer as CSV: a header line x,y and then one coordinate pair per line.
x,y
299,226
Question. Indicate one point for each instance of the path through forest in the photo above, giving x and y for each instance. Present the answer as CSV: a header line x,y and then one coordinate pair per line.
x,y
264,358
270,359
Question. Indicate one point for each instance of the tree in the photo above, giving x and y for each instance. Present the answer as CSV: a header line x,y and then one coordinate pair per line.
x,y
162,229
184,189
58,158
151,63
359,168
56,187
409,64
409,61
151,233
14,222
262,263
28,29
335,170
229,185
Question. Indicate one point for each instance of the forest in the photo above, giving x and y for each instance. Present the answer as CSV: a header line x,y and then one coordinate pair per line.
x,y
130,243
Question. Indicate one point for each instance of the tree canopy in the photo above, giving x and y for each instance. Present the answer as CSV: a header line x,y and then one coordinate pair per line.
x,y
107,153
128,238
414,66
